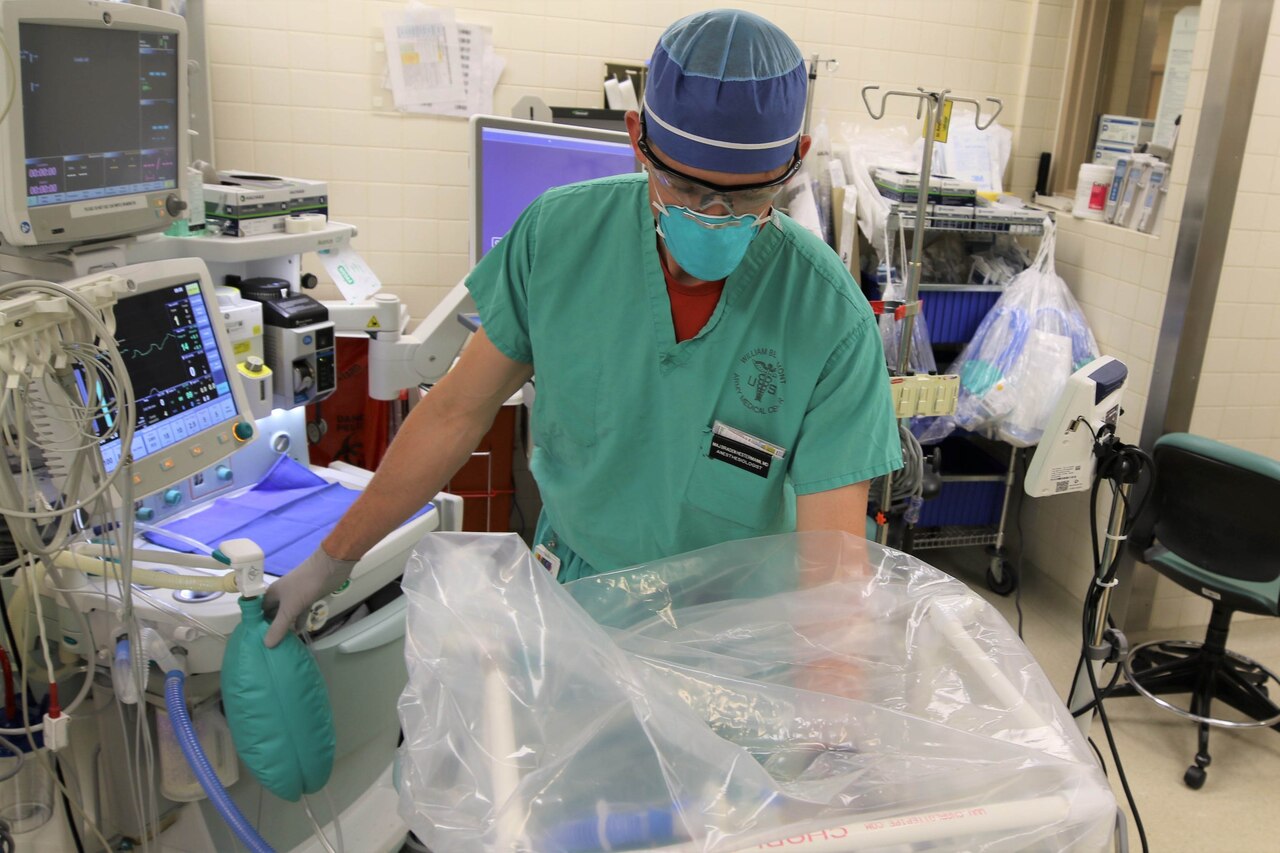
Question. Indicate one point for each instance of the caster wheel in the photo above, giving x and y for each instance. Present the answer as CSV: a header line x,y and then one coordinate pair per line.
x,y
1007,583
1194,777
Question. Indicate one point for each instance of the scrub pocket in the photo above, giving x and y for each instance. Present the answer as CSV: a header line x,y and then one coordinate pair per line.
x,y
565,415
733,494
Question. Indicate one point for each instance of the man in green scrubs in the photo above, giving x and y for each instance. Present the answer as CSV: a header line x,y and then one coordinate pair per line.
x,y
707,370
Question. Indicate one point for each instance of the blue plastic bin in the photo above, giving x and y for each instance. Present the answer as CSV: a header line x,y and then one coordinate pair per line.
x,y
972,487
953,315
966,503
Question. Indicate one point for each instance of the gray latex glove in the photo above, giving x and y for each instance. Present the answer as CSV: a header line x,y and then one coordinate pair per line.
x,y
292,595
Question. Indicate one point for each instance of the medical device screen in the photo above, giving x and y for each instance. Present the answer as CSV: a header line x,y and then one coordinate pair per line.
x,y
518,166
100,110
179,380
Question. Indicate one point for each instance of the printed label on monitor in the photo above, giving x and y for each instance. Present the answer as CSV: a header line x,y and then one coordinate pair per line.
x,y
115,205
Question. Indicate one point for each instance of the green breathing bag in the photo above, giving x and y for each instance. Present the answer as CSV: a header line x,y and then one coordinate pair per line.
x,y
277,708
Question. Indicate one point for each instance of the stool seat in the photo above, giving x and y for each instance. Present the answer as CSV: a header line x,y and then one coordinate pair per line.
x,y
1246,596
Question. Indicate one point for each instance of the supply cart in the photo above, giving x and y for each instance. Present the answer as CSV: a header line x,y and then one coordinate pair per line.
x,y
957,308
978,476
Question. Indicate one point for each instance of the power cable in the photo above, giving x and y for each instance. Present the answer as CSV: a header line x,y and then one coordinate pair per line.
x,y
1118,464
66,805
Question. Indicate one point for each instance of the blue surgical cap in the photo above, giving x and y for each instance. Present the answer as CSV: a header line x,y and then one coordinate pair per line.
x,y
726,92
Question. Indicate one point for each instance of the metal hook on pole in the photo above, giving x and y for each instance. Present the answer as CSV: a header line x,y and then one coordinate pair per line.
x,y
977,111
921,97
832,65
883,99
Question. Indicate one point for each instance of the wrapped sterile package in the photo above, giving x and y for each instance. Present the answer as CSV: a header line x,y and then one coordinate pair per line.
x,y
810,690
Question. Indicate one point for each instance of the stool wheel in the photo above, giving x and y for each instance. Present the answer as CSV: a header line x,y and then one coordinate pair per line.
x,y
1194,777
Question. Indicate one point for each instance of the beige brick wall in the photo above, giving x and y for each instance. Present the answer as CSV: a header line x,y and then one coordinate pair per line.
x,y
297,90
1121,279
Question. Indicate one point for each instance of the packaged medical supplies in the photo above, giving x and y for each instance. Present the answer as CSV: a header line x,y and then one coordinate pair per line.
x,y
1018,361
755,695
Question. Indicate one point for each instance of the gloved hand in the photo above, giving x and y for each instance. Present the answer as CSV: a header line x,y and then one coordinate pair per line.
x,y
292,595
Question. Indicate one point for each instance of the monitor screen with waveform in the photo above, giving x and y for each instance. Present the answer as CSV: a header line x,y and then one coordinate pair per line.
x,y
180,383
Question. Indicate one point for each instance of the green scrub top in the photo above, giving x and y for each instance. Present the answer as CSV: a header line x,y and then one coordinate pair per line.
x,y
623,415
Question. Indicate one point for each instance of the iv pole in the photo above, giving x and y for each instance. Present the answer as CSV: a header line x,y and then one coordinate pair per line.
x,y
832,65
936,109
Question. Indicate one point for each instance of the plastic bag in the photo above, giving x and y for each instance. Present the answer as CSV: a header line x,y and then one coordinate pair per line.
x,y
945,260
865,147
818,163
809,686
980,157
1019,359
894,289
806,198
999,264
922,360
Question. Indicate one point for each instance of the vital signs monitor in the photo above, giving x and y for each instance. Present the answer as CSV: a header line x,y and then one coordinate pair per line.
x,y
95,142
191,410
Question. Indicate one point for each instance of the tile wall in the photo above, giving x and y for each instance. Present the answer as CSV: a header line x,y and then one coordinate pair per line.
x,y
297,90
1238,400
1121,279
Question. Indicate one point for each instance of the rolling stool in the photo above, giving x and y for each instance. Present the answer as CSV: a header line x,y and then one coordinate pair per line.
x,y
1210,526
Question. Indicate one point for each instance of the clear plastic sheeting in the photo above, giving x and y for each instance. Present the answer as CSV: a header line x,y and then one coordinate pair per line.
x,y
808,692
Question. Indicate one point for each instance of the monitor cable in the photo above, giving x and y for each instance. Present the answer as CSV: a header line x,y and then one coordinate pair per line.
x,y
1120,465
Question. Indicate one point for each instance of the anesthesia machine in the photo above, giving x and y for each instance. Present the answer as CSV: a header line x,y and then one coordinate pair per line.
x,y
156,476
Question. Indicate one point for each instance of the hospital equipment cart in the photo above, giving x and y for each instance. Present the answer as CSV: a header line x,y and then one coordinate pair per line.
x,y
972,508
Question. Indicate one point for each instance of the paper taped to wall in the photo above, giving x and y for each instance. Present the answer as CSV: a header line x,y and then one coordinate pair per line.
x,y
423,65
480,66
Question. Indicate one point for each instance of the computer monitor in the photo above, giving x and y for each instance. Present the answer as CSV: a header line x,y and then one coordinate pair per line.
x,y
513,161
182,368
590,117
95,142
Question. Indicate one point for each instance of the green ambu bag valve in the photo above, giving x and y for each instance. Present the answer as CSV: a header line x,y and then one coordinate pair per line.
x,y
277,707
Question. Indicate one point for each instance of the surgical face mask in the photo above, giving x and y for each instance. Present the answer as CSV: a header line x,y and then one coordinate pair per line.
x,y
705,246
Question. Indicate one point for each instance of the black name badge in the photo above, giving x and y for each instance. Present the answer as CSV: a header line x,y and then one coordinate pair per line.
x,y
740,455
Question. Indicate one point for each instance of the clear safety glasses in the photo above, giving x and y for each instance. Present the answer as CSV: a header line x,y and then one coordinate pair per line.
x,y
700,195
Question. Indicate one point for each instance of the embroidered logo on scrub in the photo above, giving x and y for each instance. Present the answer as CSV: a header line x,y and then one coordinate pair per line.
x,y
760,380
